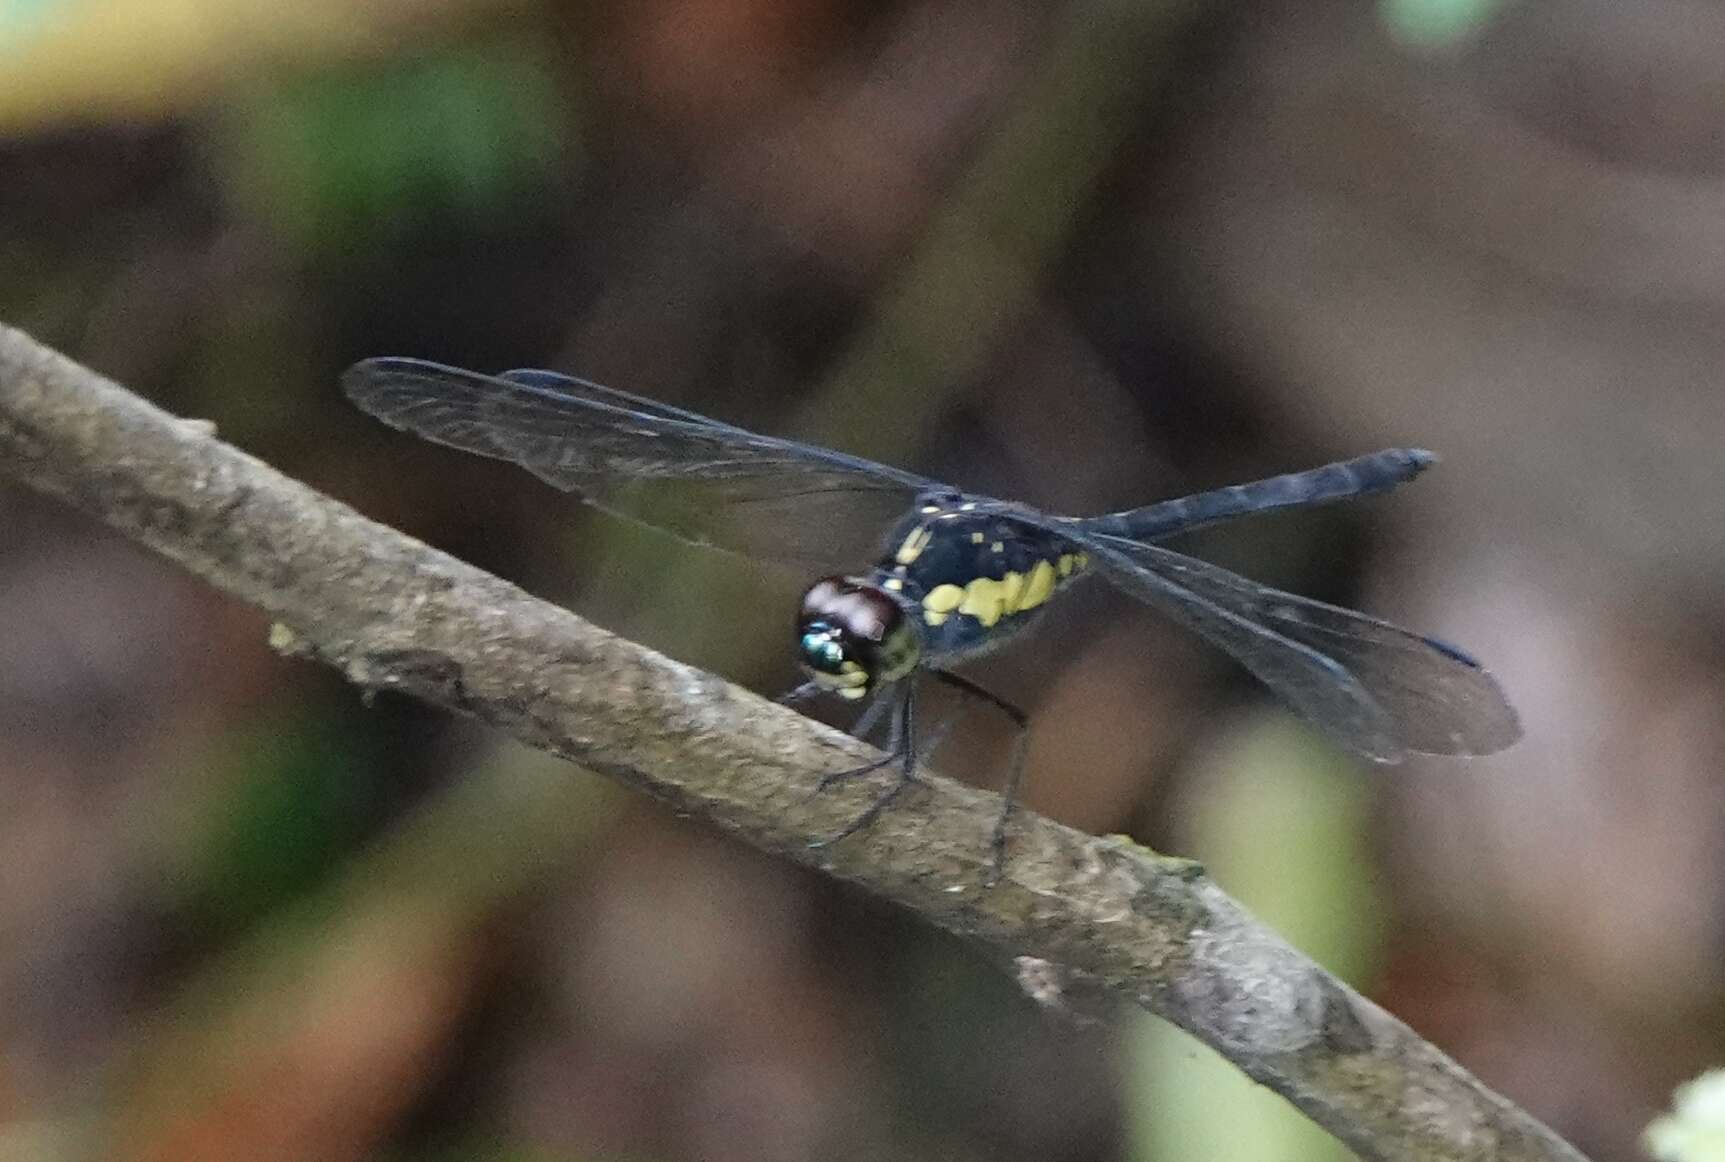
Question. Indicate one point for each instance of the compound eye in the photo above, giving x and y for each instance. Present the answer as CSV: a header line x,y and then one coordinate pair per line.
x,y
830,657
824,648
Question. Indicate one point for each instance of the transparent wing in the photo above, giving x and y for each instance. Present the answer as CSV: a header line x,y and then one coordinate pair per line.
x,y
1378,689
699,479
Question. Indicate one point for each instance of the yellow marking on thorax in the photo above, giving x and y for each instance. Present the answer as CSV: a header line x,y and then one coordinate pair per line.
x,y
989,600
914,544
1041,585
985,600
939,602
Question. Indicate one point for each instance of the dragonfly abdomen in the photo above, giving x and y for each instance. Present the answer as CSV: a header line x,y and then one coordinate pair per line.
x,y
1361,476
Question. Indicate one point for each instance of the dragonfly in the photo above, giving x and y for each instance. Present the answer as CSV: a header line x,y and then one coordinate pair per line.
x,y
956,573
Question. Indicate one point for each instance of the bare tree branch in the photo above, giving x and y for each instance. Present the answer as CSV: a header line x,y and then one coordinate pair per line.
x,y
1098,916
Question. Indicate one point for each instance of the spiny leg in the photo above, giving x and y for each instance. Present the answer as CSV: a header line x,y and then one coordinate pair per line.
x,y
798,695
896,742
887,699
902,749
866,721
870,718
930,743
1015,769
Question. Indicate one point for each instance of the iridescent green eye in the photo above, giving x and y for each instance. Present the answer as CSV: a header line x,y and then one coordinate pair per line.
x,y
822,650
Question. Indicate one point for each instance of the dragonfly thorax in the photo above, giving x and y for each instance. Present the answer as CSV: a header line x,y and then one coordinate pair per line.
x,y
854,637
970,576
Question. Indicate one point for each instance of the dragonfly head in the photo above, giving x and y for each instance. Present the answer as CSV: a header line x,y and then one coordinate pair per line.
x,y
853,637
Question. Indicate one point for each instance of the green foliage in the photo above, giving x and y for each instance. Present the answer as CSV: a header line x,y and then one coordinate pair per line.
x,y
335,154
1436,23
288,814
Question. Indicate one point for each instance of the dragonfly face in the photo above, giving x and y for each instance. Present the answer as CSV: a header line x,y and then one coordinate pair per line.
x,y
854,637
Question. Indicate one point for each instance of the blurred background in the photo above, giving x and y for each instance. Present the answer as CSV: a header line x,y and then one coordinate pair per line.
x,y
1085,254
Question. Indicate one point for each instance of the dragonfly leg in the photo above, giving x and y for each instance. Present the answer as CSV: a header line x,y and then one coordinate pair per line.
x,y
895,743
1015,768
866,721
799,695
883,703
901,749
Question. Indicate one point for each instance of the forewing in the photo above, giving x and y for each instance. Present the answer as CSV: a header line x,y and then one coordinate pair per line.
x,y
1393,690
701,480
573,387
